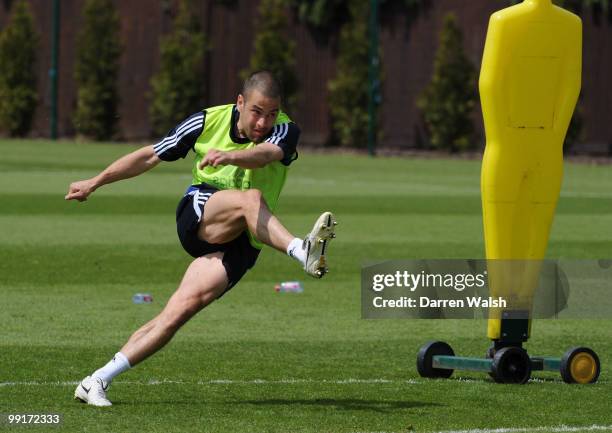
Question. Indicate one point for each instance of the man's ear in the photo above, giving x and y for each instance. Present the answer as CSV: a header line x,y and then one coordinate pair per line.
x,y
240,102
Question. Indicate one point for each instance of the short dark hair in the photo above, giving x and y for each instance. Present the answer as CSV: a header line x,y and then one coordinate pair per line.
x,y
263,81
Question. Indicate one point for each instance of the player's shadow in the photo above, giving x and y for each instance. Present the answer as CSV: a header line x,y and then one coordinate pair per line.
x,y
382,406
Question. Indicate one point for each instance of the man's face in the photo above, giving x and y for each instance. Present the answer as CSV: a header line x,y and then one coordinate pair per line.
x,y
257,115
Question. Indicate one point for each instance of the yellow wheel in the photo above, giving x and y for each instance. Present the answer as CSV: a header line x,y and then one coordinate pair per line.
x,y
580,365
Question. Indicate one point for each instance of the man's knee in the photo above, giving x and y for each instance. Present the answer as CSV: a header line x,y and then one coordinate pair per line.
x,y
252,199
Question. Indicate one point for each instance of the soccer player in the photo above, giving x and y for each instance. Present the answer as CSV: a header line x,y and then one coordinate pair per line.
x,y
242,153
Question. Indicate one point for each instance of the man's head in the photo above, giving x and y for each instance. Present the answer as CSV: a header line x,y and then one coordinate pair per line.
x,y
258,104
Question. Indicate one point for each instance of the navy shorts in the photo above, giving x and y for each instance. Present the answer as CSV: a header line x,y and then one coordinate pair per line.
x,y
239,255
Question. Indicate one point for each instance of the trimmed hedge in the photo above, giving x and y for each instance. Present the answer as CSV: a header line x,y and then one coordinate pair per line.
x,y
97,70
178,85
274,51
348,90
450,97
18,96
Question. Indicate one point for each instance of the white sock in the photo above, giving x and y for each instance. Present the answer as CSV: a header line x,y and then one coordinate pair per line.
x,y
296,251
115,366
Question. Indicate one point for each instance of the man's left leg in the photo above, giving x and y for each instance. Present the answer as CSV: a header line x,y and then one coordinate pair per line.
x,y
204,281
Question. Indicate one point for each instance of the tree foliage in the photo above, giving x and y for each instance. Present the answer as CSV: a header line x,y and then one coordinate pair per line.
x,y
18,97
348,90
321,14
598,8
177,86
449,98
325,14
577,5
97,71
575,130
273,51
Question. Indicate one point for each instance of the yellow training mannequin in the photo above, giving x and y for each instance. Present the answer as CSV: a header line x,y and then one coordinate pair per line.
x,y
529,85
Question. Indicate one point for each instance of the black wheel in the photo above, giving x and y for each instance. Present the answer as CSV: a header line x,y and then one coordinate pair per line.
x,y
489,354
580,365
425,359
511,365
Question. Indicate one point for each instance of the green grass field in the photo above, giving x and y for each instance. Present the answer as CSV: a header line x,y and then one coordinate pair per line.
x,y
260,361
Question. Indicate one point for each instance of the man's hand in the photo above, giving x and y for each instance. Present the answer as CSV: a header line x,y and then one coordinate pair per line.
x,y
214,158
80,190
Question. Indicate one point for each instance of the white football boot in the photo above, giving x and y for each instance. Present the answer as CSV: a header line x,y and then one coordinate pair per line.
x,y
92,391
315,245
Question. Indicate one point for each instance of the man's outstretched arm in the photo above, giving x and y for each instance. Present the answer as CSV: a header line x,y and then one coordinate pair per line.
x,y
130,165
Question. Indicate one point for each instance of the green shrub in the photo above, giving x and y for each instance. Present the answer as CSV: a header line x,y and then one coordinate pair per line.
x,y
348,90
326,15
18,97
321,14
178,85
273,51
450,97
575,129
603,6
97,70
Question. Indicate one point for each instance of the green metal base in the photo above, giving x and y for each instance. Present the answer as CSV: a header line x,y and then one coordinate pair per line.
x,y
509,364
461,363
538,363
541,363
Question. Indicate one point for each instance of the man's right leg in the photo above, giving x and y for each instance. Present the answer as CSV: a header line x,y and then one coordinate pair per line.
x,y
204,280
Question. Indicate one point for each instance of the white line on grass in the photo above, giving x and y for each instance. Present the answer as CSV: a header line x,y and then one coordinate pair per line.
x,y
547,429
287,381
223,382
